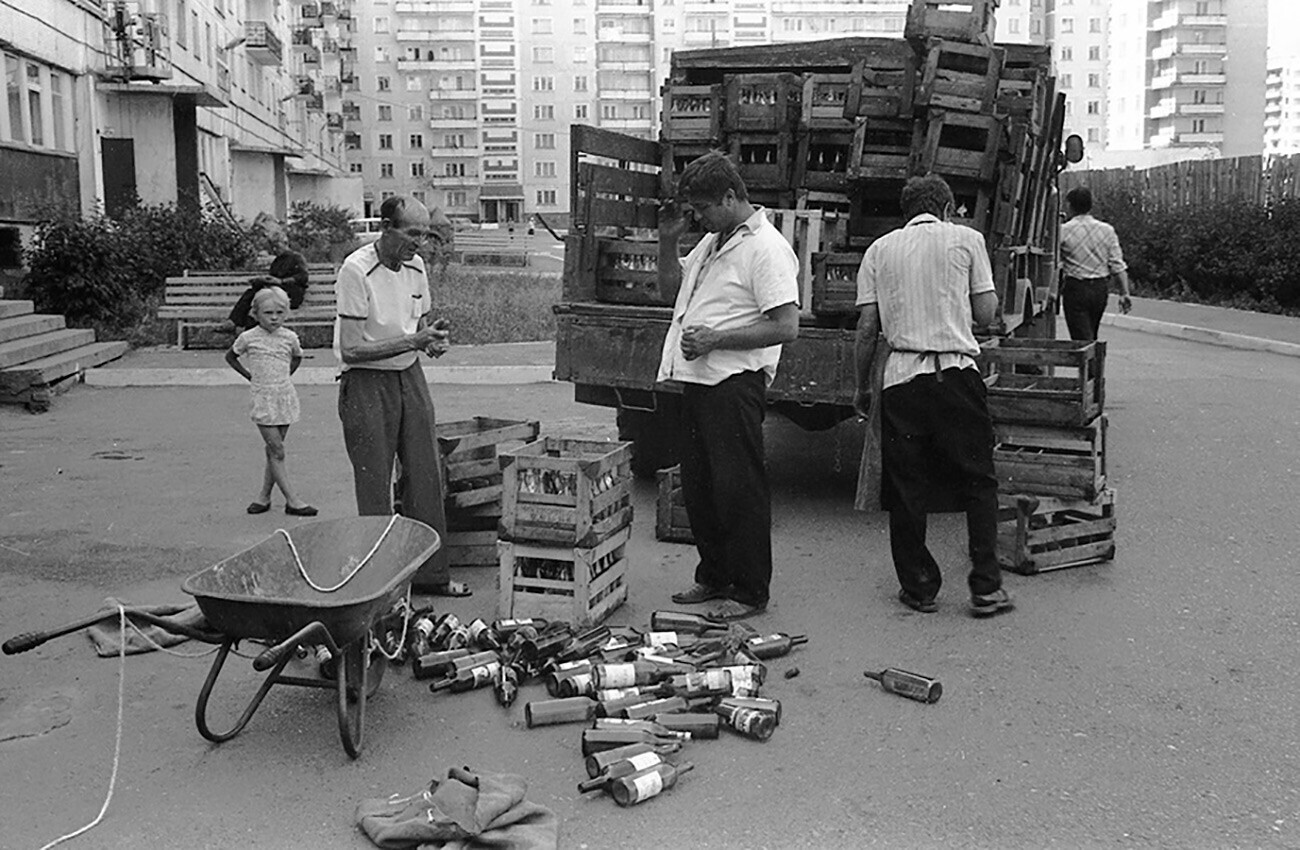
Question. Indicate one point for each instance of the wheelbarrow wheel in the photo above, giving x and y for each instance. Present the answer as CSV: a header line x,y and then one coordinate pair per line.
x,y
352,698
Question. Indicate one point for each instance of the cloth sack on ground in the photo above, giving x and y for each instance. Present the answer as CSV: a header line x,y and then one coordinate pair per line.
x,y
466,811
107,633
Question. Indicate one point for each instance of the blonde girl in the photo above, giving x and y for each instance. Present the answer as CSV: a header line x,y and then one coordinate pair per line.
x,y
273,354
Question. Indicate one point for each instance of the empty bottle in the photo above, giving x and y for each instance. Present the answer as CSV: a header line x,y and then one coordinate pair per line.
x,y
620,768
549,712
685,622
910,685
633,673
468,678
420,638
758,725
763,647
443,627
597,763
481,635
700,726
432,665
772,706
505,685
644,784
505,628
713,682
595,740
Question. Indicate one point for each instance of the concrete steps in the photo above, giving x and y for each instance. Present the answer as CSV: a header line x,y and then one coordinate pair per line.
x,y
40,356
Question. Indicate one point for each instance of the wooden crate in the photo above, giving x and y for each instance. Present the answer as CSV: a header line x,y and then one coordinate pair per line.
x,y
471,548
577,585
958,144
836,209
671,523
960,77
823,158
677,155
961,20
1044,381
568,492
1036,535
835,284
876,210
1041,460
1022,93
825,99
883,86
883,148
803,230
765,160
972,203
692,113
763,103
627,272
469,449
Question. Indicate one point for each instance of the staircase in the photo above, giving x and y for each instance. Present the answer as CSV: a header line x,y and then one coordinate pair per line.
x,y
40,356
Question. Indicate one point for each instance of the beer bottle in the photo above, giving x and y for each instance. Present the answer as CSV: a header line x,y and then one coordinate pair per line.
x,y
758,725
505,685
763,647
700,726
597,762
772,706
549,712
595,740
467,678
622,767
431,665
910,685
685,622
644,784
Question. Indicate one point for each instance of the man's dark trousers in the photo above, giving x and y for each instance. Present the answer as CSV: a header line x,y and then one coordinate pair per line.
x,y
928,423
388,414
725,487
1083,300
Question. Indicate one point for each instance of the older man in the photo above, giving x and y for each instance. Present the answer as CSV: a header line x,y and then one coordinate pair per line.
x,y
737,304
384,322
924,285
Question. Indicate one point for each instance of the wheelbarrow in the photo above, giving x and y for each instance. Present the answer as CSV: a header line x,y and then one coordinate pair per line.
x,y
325,584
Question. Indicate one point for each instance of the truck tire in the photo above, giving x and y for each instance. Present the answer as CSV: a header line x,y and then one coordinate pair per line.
x,y
654,436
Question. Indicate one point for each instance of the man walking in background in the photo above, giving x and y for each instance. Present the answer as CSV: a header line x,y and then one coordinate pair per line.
x,y
383,324
924,285
737,304
1090,257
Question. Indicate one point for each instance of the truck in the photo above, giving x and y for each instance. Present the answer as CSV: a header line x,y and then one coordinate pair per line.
x,y
825,134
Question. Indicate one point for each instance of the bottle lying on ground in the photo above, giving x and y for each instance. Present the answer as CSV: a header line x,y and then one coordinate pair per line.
x,y
482,636
431,665
685,622
758,725
649,708
714,682
545,646
576,685
597,763
607,694
644,784
557,672
505,685
746,679
772,706
467,678
910,685
419,640
443,627
700,726
596,740
505,628
763,647
585,644
326,663
635,673
618,769
549,712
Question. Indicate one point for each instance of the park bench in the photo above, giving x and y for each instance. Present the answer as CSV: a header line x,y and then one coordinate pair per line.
x,y
204,298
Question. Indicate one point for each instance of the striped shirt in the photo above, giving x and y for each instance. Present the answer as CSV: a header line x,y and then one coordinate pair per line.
x,y
922,277
1090,248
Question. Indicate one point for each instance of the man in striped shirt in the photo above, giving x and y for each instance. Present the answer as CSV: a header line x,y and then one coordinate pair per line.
x,y
1090,257
923,286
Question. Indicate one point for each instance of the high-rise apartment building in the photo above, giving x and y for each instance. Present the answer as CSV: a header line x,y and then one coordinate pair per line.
x,y
1022,22
1282,106
1078,32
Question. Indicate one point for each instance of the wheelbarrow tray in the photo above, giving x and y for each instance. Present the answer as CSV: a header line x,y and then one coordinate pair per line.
x,y
260,593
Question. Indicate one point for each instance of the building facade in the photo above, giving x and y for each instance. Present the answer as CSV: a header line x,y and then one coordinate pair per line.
x,y
1282,106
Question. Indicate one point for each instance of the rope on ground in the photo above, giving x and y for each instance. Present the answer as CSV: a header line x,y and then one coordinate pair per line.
x,y
117,742
347,578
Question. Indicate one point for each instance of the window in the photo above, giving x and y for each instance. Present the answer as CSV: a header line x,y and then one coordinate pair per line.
x,y
580,82
414,83
544,169
194,22
542,26
385,141
1198,125
1067,54
544,112
455,199
454,169
415,113
382,84
1198,96
1036,26
453,140
207,37
416,140
544,141
58,106
580,111
418,195
385,169
383,196
1094,107
543,84
1013,25
546,197
640,110
1093,135
608,110
580,53
381,24
385,113
1067,25
1067,80
579,26
181,10
543,54
354,167
1094,25
417,168
382,54
1094,53
1094,81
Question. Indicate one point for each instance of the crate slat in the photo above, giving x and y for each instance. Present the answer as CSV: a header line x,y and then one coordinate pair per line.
x,y
671,522
1038,535
1025,381
564,491
584,600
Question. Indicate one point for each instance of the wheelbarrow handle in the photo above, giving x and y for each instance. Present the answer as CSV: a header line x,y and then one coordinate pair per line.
x,y
31,640
312,633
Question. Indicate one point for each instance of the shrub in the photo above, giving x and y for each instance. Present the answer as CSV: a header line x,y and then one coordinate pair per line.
x,y
319,232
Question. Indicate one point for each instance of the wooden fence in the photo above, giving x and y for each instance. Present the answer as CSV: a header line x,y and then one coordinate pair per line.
x,y
1195,182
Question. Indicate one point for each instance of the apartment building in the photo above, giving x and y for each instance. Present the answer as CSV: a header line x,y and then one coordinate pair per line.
x,y
221,103
1022,22
1282,106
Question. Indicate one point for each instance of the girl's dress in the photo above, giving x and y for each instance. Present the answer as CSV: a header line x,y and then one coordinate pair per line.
x,y
273,399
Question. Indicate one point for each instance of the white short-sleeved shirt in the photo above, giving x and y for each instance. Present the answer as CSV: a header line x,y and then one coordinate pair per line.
x,y
390,302
921,278
754,272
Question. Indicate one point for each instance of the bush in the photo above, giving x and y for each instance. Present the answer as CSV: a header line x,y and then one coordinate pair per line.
x,y
319,232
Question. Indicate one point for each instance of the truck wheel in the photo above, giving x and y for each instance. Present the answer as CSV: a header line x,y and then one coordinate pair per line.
x,y
654,436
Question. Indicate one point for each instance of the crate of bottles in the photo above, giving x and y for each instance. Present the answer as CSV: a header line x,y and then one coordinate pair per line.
x,y
822,160
765,160
1038,534
883,86
765,103
960,77
882,148
578,585
1044,381
825,99
1046,460
671,522
566,492
835,283
469,450
961,20
627,272
959,144
692,113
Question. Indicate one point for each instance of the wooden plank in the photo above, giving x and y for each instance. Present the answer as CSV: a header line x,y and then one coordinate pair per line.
x,y
836,55
607,143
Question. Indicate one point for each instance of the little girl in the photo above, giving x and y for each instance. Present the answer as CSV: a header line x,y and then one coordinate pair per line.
x,y
273,353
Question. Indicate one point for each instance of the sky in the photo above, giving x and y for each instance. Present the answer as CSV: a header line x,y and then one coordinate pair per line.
x,y
1284,25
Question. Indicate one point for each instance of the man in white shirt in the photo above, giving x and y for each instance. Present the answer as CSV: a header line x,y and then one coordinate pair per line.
x,y
1090,257
737,304
922,286
383,324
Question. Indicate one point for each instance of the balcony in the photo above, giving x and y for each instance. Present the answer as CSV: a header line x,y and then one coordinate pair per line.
x,y
1163,109
619,35
1200,138
1164,80
334,120
624,7
1188,49
1187,79
1201,109
435,36
142,51
441,181
459,63
711,38
1203,20
351,112
446,123
426,8
634,95
453,94
473,151
261,44
625,123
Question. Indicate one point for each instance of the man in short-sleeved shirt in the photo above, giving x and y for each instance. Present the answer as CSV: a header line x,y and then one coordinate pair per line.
x,y
923,286
737,304
1090,257
382,326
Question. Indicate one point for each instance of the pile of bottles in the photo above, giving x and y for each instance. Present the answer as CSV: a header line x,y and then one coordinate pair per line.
x,y
831,95
551,482
635,263
833,158
692,104
758,154
765,95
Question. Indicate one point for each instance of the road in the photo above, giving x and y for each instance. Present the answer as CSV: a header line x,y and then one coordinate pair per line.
x,y
1147,702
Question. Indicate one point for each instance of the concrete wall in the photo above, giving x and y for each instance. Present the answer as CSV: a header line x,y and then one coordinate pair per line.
x,y
344,192
147,120
252,185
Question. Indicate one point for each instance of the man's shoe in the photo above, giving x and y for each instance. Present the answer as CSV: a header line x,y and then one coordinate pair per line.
x,y
697,593
988,604
732,609
925,606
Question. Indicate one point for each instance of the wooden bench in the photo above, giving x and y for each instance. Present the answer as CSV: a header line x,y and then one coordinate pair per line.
x,y
205,298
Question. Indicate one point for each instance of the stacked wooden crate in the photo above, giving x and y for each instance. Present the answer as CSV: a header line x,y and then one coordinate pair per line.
x,y
470,450
566,520
671,523
1047,399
